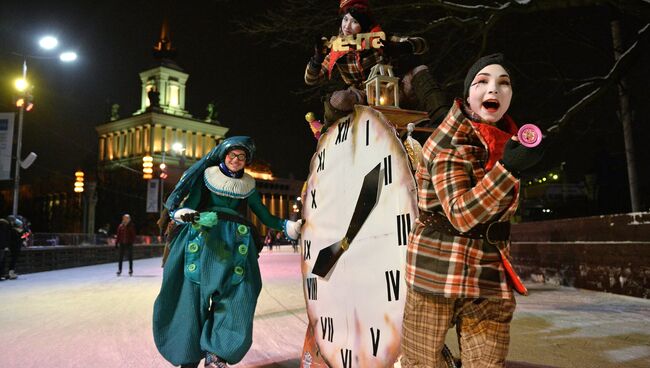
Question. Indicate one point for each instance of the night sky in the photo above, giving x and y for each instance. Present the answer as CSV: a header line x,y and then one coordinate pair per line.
x,y
256,87
250,83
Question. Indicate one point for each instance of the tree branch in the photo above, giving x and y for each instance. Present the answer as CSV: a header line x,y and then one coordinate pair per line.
x,y
620,66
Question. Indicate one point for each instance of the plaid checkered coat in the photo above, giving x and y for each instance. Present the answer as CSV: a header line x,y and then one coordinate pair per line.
x,y
452,180
354,67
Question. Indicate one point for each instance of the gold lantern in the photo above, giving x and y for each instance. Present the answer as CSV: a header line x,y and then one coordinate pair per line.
x,y
382,87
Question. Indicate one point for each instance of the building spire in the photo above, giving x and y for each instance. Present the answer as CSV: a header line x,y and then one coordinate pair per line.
x,y
163,48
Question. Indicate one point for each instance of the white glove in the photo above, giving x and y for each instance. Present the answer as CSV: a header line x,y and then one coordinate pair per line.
x,y
180,212
292,229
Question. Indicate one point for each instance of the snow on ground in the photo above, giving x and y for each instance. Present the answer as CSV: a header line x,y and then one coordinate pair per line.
x,y
87,316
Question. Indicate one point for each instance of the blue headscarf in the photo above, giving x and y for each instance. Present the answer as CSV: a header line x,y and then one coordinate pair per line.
x,y
194,174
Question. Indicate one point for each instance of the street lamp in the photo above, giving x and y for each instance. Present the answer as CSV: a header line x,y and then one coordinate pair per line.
x,y
178,150
48,43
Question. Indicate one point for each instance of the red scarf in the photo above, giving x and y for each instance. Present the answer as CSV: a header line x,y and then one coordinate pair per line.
x,y
335,55
495,138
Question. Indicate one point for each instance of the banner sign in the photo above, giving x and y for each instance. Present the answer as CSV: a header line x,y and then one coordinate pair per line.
x,y
6,144
152,195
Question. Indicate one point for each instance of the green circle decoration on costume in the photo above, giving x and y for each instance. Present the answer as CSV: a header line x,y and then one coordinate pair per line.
x,y
239,270
191,267
193,247
243,249
242,229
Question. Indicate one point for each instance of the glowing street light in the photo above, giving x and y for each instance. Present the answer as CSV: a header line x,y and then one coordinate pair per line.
x,y
178,147
47,43
68,56
21,84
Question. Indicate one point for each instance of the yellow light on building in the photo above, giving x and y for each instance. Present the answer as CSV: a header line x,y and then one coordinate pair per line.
x,y
79,182
259,175
147,167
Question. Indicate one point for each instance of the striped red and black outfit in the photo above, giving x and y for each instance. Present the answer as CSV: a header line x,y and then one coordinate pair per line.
x,y
453,279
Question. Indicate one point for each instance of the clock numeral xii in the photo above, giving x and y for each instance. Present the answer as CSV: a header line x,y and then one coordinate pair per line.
x,y
342,133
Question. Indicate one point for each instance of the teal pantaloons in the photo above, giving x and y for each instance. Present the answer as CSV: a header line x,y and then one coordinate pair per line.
x,y
208,296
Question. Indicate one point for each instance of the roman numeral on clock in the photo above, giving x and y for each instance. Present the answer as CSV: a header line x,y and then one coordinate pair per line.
x,y
367,132
392,285
388,170
327,327
403,228
346,358
342,134
375,340
306,249
312,288
321,161
313,199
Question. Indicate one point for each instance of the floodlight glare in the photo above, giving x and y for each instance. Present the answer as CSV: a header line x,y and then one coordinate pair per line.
x,y
21,84
48,42
178,147
68,56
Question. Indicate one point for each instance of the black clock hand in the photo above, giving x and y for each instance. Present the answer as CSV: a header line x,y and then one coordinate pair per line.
x,y
368,198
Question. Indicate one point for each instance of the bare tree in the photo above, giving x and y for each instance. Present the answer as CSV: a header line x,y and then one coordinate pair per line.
x,y
563,50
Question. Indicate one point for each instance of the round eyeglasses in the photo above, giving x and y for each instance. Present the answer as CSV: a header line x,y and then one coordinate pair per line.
x,y
240,157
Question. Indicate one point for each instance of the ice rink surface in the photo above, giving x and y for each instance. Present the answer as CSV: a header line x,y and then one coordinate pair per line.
x,y
88,317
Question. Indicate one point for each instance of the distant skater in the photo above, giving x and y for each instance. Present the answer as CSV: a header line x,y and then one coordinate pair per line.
x,y
125,240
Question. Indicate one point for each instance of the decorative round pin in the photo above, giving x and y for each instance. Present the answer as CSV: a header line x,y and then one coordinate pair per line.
x,y
529,135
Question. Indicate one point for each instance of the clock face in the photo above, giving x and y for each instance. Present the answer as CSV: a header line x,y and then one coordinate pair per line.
x,y
359,205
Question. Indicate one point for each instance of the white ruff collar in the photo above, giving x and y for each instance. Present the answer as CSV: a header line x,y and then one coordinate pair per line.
x,y
223,185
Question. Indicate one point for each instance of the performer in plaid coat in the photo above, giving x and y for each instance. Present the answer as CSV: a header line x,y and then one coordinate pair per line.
x,y
354,65
468,189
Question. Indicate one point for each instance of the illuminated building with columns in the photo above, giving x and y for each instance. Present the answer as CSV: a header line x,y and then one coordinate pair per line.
x,y
162,122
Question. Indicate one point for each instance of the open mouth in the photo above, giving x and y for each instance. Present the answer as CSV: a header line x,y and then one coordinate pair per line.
x,y
491,105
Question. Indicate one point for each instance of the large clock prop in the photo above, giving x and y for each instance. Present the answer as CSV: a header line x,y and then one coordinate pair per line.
x,y
359,205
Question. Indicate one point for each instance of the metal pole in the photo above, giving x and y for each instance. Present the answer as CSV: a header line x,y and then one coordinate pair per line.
x,y
162,184
19,141
162,180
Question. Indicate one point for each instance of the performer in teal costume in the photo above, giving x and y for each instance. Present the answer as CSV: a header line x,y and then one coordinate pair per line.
x,y
211,279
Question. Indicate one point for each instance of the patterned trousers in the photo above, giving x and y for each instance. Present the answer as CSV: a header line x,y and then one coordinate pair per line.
x,y
483,327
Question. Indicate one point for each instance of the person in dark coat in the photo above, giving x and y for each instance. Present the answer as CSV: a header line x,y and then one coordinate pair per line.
x,y
13,239
5,238
125,240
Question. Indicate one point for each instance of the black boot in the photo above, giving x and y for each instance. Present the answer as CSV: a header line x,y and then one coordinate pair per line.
x,y
430,96
213,361
190,365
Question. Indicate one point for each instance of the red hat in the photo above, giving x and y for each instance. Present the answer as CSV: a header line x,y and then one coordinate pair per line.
x,y
346,4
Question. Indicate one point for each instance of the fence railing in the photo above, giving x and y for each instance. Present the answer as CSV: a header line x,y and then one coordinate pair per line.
x,y
77,239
